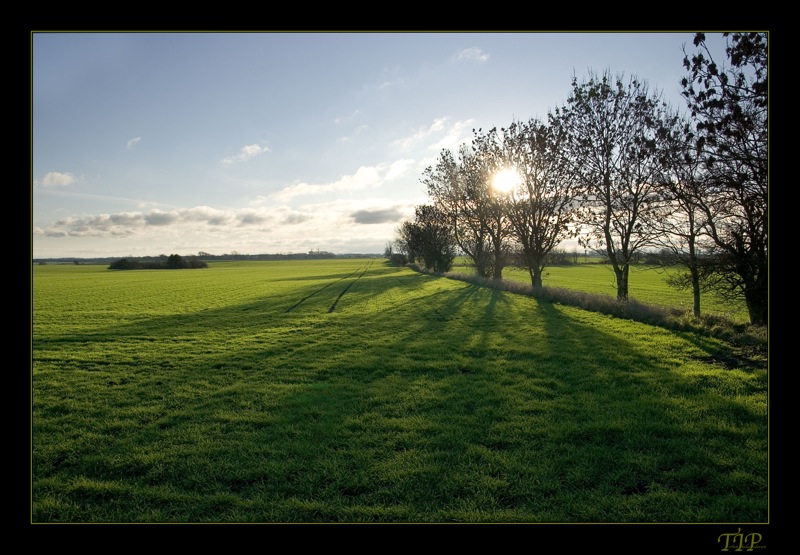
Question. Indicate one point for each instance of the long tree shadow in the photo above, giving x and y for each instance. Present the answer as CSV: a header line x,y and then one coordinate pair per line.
x,y
465,404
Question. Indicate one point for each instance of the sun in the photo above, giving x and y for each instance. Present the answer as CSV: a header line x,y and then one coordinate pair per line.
x,y
505,180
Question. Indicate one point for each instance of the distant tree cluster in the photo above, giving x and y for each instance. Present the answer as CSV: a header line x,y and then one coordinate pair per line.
x,y
623,172
160,260
311,254
172,262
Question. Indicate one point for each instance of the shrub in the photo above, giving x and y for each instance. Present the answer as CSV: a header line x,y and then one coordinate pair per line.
x,y
399,259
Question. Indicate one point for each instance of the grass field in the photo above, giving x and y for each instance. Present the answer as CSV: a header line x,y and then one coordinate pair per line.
x,y
348,390
647,285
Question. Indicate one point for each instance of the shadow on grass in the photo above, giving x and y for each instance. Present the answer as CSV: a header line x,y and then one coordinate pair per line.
x,y
461,404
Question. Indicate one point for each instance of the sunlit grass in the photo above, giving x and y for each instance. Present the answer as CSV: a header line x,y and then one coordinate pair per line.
x,y
235,394
646,285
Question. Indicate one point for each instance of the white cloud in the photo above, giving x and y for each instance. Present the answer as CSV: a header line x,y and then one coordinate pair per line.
x,y
207,215
459,133
57,179
332,226
364,178
133,142
473,53
129,223
247,152
440,135
102,225
408,142
399,168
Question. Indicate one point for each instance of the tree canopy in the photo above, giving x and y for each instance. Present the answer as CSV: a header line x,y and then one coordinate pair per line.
x,y
623,171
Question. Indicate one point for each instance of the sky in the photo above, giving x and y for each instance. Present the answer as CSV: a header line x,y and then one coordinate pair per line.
x,y
276,142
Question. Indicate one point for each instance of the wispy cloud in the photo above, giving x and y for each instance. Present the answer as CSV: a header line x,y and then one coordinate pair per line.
x,y
391,83
246,153
440,134
458,133
357,131
207,215
366,177
407,143
102,225
57,179
197,218
139,203
343,119
133,142
473,54
273,223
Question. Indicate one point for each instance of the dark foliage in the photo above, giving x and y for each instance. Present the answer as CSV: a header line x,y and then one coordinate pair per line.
x,y
172,262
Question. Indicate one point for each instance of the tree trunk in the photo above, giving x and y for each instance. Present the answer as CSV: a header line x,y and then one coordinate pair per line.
x,y
536,276
621,273
498,267
696,290
694,271
756,295
535,265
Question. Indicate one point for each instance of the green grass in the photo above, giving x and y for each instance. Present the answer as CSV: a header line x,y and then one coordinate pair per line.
x,y
353,391
646,285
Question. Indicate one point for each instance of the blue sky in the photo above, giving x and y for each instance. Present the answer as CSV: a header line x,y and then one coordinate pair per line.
x,y
162,143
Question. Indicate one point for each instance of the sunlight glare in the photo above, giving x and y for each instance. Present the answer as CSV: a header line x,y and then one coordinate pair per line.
x,y
505,180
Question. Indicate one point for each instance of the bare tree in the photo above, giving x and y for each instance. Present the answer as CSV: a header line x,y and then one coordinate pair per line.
x,y
729,105
680,230
610,138
461,190
541,206
457,195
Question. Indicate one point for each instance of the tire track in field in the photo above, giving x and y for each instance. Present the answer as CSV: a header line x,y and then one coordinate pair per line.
x,y
405,281
320,290
349,285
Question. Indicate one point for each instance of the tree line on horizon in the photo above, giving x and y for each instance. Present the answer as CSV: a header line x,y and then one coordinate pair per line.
x,y
621,171
161,259
171,262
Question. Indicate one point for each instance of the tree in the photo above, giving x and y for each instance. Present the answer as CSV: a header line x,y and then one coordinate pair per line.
x,y
540,206
483,164
455,196
461,190
611,133
729,105
429,238
175,261
408,240
123,264
680,230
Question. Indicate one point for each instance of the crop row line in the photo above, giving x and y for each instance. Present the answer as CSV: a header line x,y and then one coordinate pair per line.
x,y
304,299
333,306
